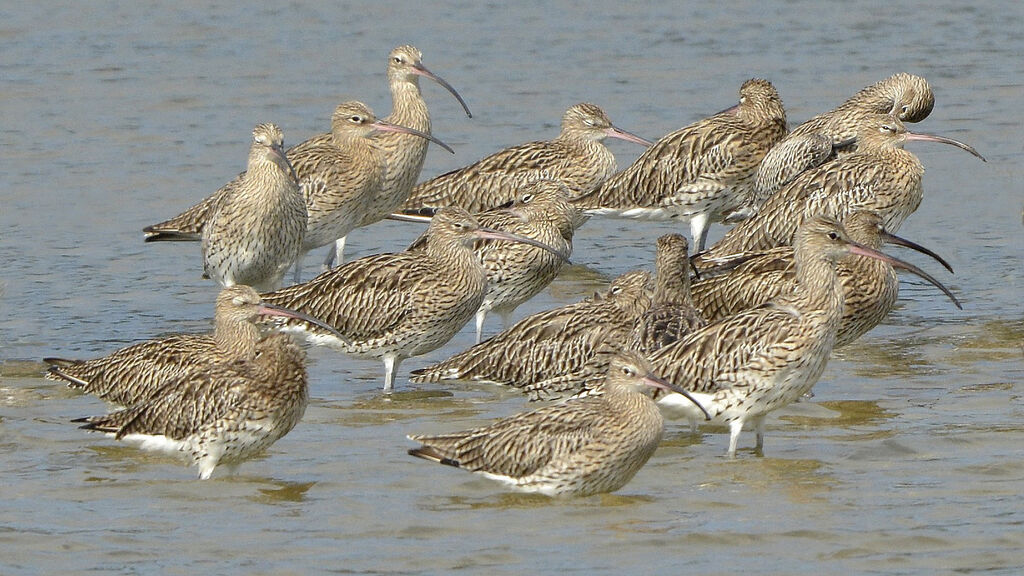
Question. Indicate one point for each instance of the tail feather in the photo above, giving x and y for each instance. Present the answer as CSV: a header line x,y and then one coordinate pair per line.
x,y
154,234
96,423
57,372
432,454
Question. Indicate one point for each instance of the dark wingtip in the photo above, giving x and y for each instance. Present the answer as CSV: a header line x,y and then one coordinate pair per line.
x,y
153,235
430,453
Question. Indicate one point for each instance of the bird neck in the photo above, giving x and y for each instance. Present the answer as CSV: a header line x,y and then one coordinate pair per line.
x,y
239,338
818,286
408,108
673,288
273,178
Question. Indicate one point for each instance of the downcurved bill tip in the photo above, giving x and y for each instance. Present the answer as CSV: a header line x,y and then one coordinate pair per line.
x,y
382,126
422,71
942,139
267,309
656,382
615,132
491,234
862,250
894,239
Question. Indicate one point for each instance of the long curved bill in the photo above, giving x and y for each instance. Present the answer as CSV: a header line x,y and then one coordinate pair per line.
x,y
491,234
280,154
942,139
422,71
894,239
862,250
616,132
383,126
268,309
655,382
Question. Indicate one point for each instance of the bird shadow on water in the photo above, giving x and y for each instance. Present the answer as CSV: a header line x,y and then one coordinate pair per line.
x,y
378,408
525,501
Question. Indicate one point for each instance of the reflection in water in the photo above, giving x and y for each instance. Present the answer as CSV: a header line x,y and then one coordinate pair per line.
x,y
283,491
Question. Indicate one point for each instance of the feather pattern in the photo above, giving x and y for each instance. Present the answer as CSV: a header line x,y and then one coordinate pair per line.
x,y
254,232
517,272
133,373
577,157
746,365
582,446
551,343
222,413
393,306
880,177
700,172
870,287
672,314
819,139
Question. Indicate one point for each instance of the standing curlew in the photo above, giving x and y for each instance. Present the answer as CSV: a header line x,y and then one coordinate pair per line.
x,y
342,178
517,272
553,344
339,173
131,374
577,157
880,177
746,365
583,446
254,231
404,153
672,314
870,286
224,413
701,172
394,306
821,138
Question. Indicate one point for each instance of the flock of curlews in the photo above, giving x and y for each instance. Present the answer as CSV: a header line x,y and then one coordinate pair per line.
x,y
726,335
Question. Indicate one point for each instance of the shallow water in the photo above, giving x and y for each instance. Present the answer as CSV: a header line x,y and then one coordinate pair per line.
x,y
906,461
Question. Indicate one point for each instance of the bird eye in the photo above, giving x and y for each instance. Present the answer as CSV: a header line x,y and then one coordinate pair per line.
x,y
833,235
743,99
615,290
238,301
905,108
526,199
355,119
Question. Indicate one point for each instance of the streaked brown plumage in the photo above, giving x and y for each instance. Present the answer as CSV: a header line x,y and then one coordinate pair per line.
x,y
870,286
551,344
672,314
577,157
222,413
131,374
579,447
342,176
517,272
255,230
880,177
746,365
701,172
404,153
394,306
819,139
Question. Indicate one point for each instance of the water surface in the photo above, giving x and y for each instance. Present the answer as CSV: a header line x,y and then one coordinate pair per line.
x,y
906,461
